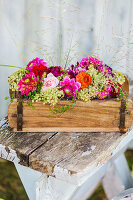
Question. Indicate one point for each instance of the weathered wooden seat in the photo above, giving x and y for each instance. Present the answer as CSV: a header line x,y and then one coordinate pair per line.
x,y
71,151
67,156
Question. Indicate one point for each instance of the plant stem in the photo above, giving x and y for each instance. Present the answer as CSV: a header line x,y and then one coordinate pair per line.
x,y
10,66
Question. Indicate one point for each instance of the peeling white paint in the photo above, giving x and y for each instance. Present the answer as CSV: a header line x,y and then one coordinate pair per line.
x,y
86,153
11,155
76,179
60,172
75,137
93,147
51,188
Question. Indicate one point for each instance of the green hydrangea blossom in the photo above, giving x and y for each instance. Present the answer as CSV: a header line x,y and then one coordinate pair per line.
x,y
99,81
87,94
118,77
50,96
15,78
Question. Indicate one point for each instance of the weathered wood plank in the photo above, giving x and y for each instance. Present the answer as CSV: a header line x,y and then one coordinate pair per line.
x,y
74,151
21,144
80,118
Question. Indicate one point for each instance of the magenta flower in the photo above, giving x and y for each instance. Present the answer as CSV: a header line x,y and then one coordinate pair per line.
x,y
56,71
27,84
36,62
85,62
107,71
94,60
104,93
70,87
74,70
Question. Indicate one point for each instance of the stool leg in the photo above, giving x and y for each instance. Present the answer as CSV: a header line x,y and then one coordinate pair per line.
x,y
28,177
117,177
124,172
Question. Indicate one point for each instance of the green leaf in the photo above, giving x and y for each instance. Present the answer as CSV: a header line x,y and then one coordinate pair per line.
x,y
6,98
65,107
33,107
11,100
62,108
12,95
73,105
29,93
29,103
17,103
32,97
57,110
38,78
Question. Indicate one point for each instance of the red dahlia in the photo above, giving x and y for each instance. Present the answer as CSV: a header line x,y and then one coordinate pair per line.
x,y
39,70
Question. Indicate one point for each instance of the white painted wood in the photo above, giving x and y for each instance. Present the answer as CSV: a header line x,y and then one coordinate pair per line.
x,y
51,188
8,154
41,30
28,177
11,44
112,31
125,195
124,172
117,177
77,20
121,148
89,185
130,146
112,182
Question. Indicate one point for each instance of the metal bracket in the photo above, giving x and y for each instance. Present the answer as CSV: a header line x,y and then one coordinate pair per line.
x,y
122,116
19,115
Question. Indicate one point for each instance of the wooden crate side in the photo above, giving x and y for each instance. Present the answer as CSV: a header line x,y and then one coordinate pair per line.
x,y
94,116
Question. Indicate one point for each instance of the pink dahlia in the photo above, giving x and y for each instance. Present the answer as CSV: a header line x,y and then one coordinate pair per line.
x,y
104,93
27,84
70,87
85,62
37,66
50,82
97,63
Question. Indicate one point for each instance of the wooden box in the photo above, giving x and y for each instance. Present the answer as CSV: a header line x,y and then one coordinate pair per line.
x,y
95,116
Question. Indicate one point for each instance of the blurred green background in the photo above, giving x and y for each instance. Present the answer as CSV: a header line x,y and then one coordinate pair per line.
x,y
11,187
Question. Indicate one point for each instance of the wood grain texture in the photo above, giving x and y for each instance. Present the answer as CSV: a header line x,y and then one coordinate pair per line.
x,y
24,144
93,116
74,151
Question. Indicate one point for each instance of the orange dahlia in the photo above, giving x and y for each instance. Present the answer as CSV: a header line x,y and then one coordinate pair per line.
x,y
84,78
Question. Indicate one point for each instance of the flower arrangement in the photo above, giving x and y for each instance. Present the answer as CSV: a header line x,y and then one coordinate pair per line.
x,y
87,80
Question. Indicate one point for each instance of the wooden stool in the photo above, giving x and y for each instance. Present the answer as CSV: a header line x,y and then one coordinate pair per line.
x,y
62,166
